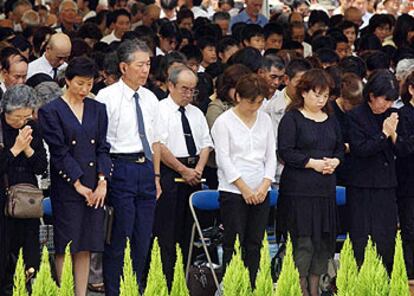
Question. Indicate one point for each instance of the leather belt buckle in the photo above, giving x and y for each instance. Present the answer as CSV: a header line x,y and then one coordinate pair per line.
x,y
140,159
192,160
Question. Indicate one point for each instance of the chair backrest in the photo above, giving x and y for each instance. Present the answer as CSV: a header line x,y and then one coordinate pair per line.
x,y
206,200
274,195
340,196
47,206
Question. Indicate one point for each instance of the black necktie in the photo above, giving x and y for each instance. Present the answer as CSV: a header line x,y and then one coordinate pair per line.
x,y
189,140
55,70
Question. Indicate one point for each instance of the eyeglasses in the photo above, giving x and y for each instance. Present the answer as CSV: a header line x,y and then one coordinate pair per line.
x,y
189,91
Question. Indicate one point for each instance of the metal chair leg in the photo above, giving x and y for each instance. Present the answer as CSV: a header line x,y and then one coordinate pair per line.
x,y
190,251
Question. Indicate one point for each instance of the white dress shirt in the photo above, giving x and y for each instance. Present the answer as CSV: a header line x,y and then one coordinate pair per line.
x,y
276,108
42,65
243,152
108,39
123,132
171,132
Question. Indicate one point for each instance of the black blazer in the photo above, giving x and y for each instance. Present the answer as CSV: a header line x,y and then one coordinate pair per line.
x,y
405,152
372,154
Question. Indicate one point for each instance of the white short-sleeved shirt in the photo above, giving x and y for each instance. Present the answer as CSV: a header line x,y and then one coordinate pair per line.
x,y
242,152
171,132
123,132
42,65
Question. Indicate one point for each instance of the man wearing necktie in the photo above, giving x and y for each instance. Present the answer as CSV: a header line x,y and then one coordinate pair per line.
x,y
185,146
132,114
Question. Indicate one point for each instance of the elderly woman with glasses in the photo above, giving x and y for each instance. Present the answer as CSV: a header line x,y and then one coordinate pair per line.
x,y
22,158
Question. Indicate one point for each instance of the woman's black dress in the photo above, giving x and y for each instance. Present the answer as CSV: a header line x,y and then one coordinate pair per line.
x,y
307,199
405,177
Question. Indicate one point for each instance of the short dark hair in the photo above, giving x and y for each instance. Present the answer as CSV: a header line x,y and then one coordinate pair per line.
x,y
117,13
221,15
192,52
377,60
353,64
323,42
225,43
296,66
247,56
168,4
90,30
379,20
252,30
169,30
81,66
269,61
5,55
203,42
326,55
272,28
318,16
184,13
381,83
314,79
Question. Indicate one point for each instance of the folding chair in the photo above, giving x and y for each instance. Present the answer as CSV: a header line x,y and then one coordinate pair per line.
x,y
46,230
208,200
205,200
47,206
340,201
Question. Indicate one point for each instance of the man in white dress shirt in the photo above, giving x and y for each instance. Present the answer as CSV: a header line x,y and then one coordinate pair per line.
x,y
53,61
185,146
132,113
121,24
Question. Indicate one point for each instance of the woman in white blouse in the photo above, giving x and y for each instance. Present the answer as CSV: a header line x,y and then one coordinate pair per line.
x,y
246,160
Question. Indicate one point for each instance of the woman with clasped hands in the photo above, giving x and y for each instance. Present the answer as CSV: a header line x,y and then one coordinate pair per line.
x,y
310,144
246,161
371,192
22,158
75,127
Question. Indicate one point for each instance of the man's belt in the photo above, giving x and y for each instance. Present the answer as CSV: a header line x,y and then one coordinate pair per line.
x,y
130,157
189,161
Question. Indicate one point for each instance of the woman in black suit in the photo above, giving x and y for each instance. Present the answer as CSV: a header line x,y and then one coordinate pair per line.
x,y
405,173
22,158
372,182
75,127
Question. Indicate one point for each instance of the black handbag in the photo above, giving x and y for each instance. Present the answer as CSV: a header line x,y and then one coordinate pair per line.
x,y
108,222
201,281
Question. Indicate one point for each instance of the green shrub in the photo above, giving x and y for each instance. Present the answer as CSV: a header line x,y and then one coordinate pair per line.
x,y
179,286
288,283
19,288
67,286
44,285
236,281
348,271
128,285
264,282
156,283
372,278
399,281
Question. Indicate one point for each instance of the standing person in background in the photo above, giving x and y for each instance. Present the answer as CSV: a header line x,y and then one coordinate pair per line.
x,y
310,144
246,160
371,191
405,173
132,112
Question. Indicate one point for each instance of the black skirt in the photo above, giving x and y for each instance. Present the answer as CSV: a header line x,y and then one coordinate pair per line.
x,y
306,216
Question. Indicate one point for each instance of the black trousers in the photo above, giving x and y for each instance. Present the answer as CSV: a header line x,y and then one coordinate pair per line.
x,y
249,223
372,211
173,219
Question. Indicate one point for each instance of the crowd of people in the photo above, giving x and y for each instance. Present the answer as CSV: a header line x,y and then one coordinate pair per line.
x,y
132,105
